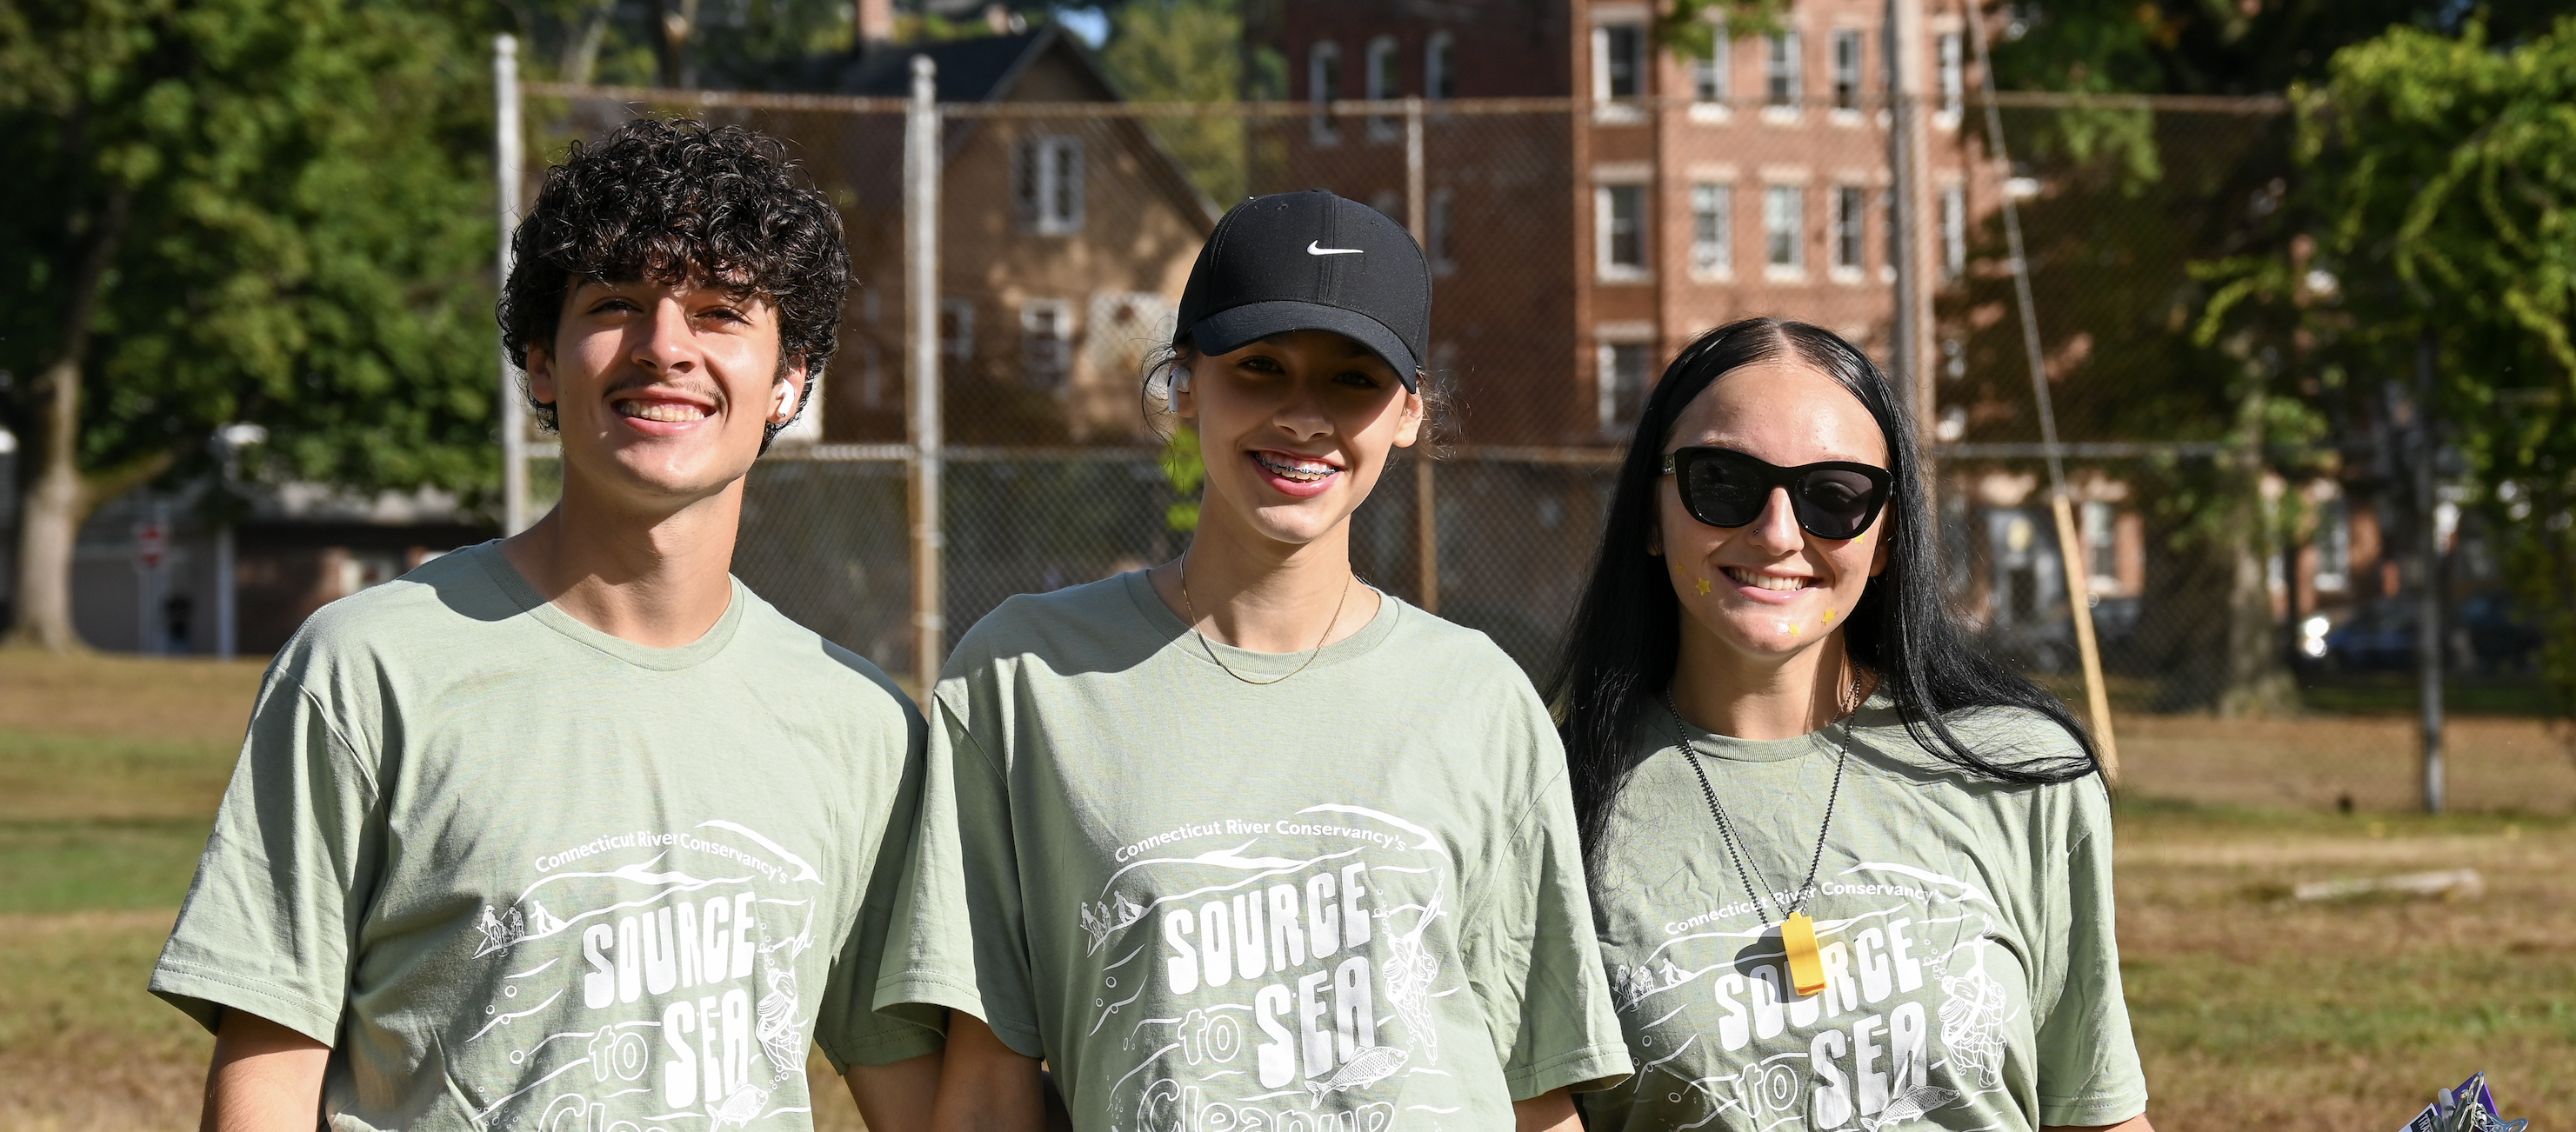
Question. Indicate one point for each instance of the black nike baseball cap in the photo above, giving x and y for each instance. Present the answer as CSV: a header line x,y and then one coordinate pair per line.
x,y
1310,261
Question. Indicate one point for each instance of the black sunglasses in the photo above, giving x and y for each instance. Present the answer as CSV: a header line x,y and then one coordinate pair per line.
x,y
1726,488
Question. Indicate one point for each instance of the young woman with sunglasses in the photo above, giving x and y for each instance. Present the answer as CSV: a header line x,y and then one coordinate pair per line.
x,y
1238,841
1849,871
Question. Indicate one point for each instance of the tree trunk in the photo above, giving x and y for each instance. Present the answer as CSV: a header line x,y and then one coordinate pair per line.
x,y
58,498
581,43
2258,683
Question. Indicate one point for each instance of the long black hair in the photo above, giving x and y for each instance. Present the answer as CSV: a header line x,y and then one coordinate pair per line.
x,y
1625,638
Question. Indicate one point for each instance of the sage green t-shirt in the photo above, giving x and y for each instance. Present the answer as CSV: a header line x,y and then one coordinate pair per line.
x,y
1351,900
1972,974
519,873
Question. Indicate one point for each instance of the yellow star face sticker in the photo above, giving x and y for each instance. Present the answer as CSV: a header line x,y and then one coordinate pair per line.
x,y
1829,617
1703,585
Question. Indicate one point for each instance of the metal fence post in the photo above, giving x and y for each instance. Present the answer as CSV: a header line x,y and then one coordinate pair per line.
x,y
922,389
507,153
1426,495
2427,447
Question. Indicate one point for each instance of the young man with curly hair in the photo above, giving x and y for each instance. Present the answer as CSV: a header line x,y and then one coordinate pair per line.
x,y
571,831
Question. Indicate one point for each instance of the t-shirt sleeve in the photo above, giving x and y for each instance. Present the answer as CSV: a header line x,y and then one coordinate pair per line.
x,y
270,924
1535,962
849,1029
958,940
2087,1060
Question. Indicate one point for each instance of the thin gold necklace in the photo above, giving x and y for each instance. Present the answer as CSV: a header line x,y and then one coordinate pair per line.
x,y
1229,669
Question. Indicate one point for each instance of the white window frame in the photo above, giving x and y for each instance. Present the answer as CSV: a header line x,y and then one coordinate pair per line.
x,y
1440,66
1615,413
1323,87
1950,68
1605,235
1438,218
1954,231
1048,182
958,315
1712,230
1784,214
1848,52
1710,73
1846,231
1382,80
2334,547
1635,33
1046,343
1783,75
2099,526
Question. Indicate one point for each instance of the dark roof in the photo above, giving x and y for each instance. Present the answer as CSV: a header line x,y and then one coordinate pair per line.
x,y
970,70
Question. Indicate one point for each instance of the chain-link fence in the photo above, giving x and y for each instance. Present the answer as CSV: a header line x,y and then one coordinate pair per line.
x,y
1575,247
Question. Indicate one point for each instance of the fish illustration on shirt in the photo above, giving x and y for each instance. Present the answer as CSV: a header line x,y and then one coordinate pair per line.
x,y
1365,1068
1916,1103
741,1108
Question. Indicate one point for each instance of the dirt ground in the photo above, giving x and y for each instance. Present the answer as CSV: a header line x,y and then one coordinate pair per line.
x,y
2252,1010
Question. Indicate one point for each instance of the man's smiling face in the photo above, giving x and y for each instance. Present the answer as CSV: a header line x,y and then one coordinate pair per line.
x,y
662,392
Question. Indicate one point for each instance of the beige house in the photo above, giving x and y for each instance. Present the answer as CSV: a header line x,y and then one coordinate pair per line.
x,y
1064,245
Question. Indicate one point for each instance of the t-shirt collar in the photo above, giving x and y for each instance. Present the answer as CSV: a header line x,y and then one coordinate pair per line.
x,y
529,601
1168,625
1658,726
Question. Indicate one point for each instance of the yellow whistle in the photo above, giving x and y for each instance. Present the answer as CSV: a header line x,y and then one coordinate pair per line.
x,y
1806,967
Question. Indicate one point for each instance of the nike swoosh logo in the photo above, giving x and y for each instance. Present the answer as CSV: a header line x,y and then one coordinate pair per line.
x,y
1313,248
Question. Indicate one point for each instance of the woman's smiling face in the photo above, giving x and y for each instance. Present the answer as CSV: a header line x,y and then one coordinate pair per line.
x,y
1295,430
1769,589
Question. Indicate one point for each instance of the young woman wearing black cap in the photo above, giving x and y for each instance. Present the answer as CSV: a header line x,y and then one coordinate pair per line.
x,y
1239,841
1852,873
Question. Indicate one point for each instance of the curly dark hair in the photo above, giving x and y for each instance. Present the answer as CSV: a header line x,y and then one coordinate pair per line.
x,y
675,200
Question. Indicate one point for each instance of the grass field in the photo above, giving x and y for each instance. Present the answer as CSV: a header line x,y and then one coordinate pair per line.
x,y
2252,1011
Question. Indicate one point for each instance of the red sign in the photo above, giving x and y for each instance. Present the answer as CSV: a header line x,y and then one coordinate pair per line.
x,y
151,543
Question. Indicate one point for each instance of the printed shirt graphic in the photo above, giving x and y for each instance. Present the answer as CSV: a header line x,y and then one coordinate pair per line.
x,y
538,877
1351,902
1971,975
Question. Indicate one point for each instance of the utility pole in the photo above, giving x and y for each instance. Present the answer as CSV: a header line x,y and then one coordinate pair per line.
x,y
921,330
507,153
2427,452
1426,495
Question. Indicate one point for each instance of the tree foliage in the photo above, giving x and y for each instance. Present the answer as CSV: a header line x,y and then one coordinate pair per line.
x,y
1186,51
2439,199
291,199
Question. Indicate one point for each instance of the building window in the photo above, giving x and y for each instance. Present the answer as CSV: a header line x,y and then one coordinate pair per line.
x,y
1048,184
1324,86
1708,72
1847,210
1385,81
2334,547
1952,62
1954,231
1712,229
1619,217
1046,342
1847,70
1435,224
1781,72
1618,61
1440,66
1784,222
1621,385
957,329
2101,541
1894,249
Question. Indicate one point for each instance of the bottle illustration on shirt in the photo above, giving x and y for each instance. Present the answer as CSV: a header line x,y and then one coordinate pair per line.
x,y
664,989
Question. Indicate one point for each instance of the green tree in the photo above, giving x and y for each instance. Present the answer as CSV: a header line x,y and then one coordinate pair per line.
x,y
1186,51
271,211
2440,193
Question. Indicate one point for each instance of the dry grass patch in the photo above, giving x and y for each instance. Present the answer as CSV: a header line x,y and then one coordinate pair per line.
x,y
2496,764
2256,1011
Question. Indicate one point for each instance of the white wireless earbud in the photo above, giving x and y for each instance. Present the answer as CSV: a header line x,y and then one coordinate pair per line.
x,y
1173,387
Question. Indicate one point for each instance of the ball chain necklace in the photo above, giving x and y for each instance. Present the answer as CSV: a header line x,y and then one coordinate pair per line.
x,y
1229,669
1797,930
